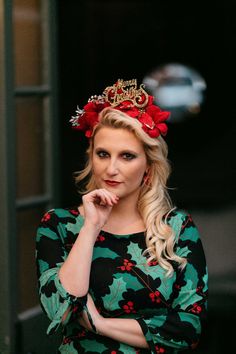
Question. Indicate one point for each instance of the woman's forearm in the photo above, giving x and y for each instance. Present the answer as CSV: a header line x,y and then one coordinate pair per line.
x,y
75,272
123,330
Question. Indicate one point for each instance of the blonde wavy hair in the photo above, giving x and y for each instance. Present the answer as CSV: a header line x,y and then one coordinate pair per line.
x,y
154,203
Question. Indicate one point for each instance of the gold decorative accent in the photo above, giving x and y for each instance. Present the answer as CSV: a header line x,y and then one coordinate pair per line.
x,y
126,91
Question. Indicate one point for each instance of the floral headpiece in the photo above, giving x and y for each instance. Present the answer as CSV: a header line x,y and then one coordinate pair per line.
x,y
124,96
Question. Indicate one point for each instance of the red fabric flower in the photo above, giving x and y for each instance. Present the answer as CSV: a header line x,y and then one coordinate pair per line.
x,y
88,118
150,115
128,108
158,117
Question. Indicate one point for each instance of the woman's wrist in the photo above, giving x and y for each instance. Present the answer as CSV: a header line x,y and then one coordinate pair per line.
x,y
90,229
101,324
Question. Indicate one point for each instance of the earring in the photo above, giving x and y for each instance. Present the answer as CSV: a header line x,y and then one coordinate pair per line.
x,y
146,178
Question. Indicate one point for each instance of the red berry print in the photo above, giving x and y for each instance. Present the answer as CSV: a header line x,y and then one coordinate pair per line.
x,y
129,307
74,212
152,263
177,286
159,349
46,217
199,289
100,238
155,296
81,334
127,265
66,340
75,308
113,352
196,309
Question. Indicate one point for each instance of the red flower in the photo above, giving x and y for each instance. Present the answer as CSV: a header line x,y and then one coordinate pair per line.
x,y
88,117
150,115
153,121
128,108
129,307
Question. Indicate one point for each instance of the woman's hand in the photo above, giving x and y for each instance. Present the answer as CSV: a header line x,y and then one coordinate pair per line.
x,y
97,207
96,317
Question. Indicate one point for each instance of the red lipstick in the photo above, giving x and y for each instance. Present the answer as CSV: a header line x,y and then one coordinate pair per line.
x,y
112,183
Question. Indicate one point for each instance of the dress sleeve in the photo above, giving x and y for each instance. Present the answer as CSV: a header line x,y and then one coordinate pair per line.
x,y
50,255
179,327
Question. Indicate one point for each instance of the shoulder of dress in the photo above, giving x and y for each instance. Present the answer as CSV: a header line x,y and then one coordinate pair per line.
x,y
73,211
177,214
177,218
60,214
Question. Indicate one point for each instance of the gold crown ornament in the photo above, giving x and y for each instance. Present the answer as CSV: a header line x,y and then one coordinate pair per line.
x,y
127,97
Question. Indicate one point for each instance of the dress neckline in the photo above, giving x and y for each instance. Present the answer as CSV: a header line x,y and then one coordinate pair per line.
x,y
128,235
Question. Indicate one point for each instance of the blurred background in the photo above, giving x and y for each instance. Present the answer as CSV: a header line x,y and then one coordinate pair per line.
x,y
53,56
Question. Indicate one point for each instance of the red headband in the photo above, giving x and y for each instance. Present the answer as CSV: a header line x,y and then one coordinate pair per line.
x,y
126,97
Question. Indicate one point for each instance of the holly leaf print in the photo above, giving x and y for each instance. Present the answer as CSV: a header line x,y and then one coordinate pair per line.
x,y
77,226
132,281
43,266
188,294
152,272
99,252
182,251
89,345
111,300
141,262
136,254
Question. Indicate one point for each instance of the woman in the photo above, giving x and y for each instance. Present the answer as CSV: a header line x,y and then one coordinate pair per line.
x,y
124,272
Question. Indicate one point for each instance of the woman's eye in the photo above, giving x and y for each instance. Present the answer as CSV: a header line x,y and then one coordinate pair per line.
x,y
102,154
128,156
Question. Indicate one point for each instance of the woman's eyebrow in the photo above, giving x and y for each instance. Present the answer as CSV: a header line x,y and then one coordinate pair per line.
x,y
130,151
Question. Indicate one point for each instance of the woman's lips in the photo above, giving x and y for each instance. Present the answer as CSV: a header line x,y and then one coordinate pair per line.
x,y
112,183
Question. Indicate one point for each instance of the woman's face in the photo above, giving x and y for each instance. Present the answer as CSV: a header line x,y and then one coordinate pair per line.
x,y
119,162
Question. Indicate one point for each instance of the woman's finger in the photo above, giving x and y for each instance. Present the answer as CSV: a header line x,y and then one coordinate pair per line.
x,y
101,197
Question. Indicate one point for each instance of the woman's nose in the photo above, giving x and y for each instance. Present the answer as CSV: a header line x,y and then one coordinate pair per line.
x,y
112,167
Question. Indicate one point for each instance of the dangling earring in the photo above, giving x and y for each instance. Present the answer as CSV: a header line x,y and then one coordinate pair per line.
x,y
146,178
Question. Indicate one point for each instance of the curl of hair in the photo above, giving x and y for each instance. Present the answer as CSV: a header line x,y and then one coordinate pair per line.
x,y
154,203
